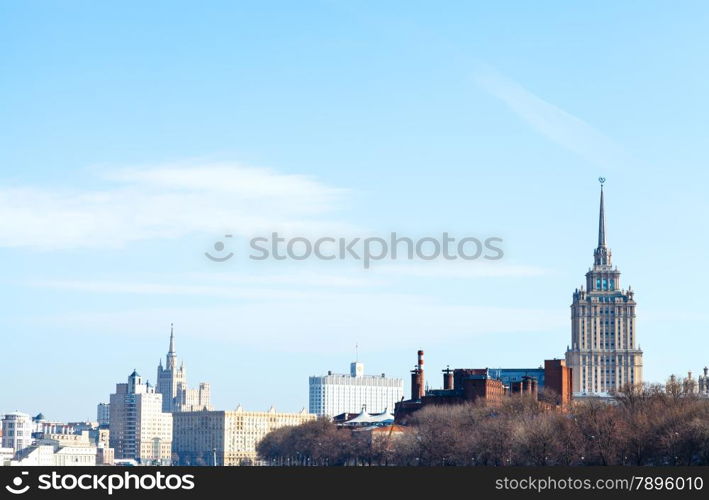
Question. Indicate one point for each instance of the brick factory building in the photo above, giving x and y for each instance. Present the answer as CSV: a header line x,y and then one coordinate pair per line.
x,y
493,385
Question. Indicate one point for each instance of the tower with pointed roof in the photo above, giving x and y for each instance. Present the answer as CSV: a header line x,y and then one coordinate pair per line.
x,y
172,384
171,354
603,354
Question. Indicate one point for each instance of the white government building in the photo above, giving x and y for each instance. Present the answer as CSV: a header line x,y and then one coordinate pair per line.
x,y
336,393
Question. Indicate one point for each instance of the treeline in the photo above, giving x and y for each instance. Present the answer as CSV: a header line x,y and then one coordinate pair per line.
x,y
642,426
322,443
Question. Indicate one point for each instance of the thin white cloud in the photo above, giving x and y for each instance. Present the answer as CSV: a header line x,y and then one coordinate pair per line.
x,y
165,202
323,325
142,288
675,315
343,279
294,284
307,310
460,269
244,182
272,287
553,122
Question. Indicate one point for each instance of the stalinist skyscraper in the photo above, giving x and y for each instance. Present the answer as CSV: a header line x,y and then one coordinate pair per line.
x,y
172,384
603,353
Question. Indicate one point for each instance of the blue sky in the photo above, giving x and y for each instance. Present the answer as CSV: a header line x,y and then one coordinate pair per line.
x,y
134,135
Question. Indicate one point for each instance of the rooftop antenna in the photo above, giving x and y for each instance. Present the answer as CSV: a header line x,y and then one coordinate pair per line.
x,y
356,353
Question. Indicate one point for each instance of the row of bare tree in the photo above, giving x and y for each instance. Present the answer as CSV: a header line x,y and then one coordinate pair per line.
x,y
641,426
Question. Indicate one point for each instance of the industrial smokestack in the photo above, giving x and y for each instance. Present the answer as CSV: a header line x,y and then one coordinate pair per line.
x,y
526,385
448,378
422,386
414,384
417,380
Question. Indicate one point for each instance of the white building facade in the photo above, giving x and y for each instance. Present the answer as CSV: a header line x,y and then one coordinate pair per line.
x,y
227,437
53,455
336,393
6,455
17,431
139,429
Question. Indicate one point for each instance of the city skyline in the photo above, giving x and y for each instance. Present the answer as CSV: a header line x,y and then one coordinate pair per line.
x,y
129,147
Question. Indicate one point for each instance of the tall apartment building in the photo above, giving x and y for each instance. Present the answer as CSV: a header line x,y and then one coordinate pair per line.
x,y
226,437
603,355
103,414
139,429
172,384
335,393
17,429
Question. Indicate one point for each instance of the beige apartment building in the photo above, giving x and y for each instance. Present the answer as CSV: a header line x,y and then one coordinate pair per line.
x,y
226,437
139,429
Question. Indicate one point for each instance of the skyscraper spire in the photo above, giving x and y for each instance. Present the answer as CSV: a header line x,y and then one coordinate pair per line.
x,y
602,254
601,219
172,335
171,357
